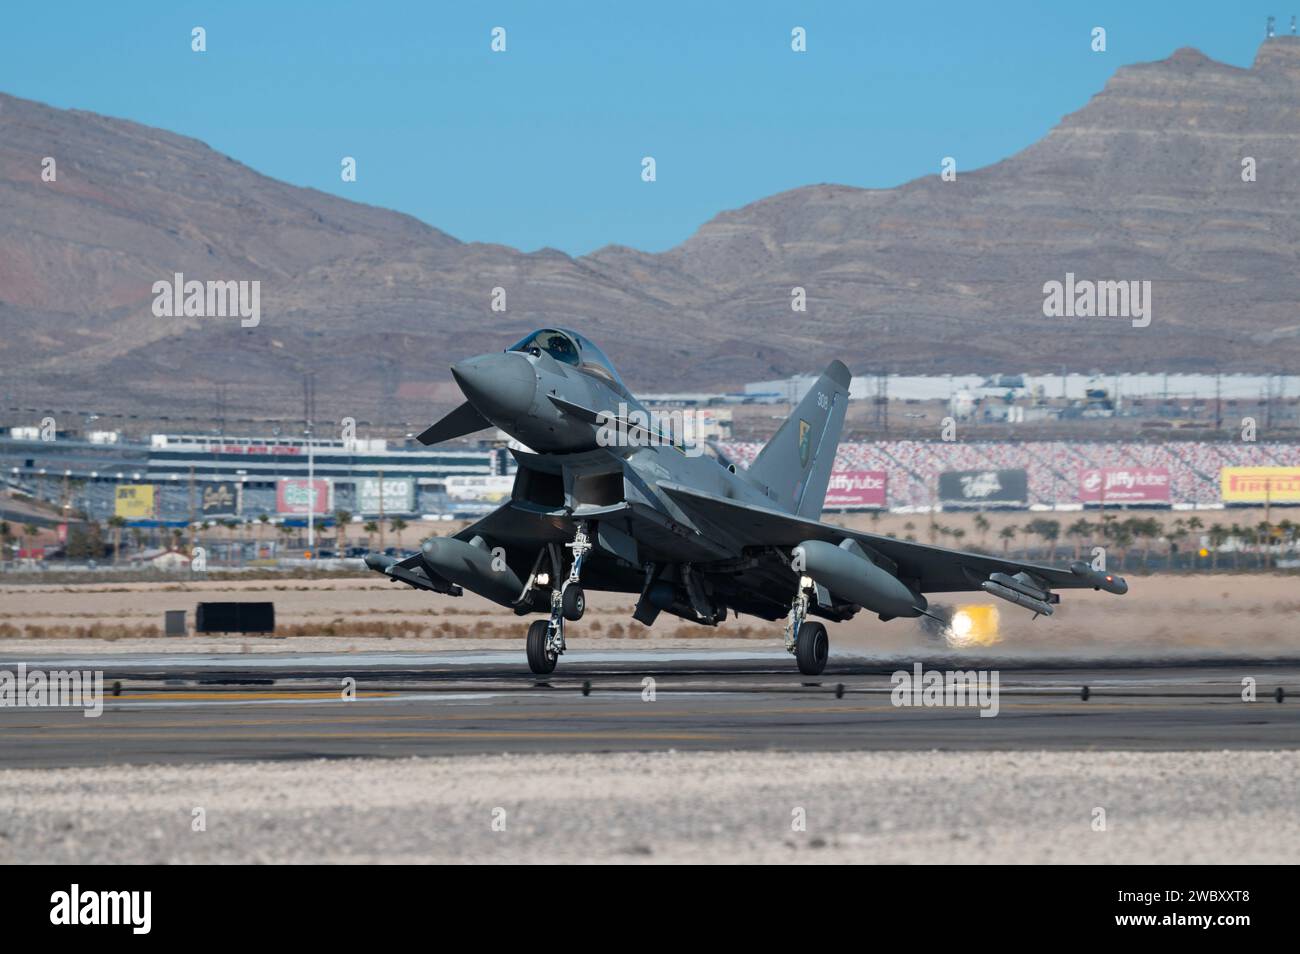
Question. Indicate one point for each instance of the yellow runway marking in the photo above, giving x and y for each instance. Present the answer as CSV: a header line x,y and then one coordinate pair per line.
x,y
57,736
332,695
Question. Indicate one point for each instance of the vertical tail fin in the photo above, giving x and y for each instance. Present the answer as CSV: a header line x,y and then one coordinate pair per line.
x,y
794,467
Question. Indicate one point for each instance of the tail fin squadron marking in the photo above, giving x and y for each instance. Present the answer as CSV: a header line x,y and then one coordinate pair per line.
x,y
810,436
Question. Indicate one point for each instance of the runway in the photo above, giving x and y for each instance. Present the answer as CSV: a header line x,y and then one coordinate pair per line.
x,y
191,708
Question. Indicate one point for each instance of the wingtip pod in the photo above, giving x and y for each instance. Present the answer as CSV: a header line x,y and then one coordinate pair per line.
x,y
1102,581
379,562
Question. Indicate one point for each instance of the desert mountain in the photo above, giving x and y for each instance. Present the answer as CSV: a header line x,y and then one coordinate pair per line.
x,y
1143,183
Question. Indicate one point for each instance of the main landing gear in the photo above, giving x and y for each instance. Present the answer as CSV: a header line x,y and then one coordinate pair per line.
x,y
807,641
568,602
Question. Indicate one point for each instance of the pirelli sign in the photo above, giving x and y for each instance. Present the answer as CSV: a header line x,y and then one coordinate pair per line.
x,y
1260,484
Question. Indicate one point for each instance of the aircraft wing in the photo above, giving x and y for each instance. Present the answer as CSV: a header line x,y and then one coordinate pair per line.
x,y
930,569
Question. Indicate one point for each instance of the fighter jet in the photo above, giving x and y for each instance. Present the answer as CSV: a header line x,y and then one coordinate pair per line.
x,y
606,497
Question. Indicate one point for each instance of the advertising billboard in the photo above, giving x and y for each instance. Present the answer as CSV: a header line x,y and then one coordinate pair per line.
x,y
1260,484
219,500
1121,485
391,495
298,495
977,488
469,487
850,489
134,501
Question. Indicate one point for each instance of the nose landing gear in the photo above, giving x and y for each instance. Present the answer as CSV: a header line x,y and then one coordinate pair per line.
x,y
568,602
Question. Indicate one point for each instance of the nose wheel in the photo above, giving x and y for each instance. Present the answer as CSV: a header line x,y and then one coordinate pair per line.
x,y
573,602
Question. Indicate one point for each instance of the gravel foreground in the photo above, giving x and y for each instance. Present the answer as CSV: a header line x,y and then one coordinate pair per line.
x,y
934,807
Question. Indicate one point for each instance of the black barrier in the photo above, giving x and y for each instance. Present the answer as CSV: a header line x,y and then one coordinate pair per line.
x,y
234,618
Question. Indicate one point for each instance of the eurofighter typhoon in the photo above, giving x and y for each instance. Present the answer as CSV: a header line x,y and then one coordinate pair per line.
x,y
604,498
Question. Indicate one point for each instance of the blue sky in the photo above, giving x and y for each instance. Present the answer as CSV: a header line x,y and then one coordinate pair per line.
x,y
541,145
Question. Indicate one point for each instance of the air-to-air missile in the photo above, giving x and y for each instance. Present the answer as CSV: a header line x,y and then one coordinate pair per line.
x,y
1020,590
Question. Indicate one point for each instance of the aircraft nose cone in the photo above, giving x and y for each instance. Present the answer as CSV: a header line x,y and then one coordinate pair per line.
x,y
500,386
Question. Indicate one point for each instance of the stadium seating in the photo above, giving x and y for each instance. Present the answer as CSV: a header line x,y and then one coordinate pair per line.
x,y
1053,466
913,467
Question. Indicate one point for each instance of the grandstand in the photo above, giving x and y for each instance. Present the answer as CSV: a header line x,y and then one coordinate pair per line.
x,y
1053,467
85,476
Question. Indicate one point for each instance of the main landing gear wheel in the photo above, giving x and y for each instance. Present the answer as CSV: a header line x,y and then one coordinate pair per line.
x,y
810,651
540,659
573,602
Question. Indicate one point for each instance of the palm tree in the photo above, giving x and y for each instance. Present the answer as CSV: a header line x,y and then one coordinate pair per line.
x,y
117,523
1122,535
1148,531
1051,532
398,525
6,535
1250,537
982,527
1178,534
371,529
1107,526
1217,534
31,530
1078,531
1007,534
341,520
231,526
1265,531
1287,529
1046,530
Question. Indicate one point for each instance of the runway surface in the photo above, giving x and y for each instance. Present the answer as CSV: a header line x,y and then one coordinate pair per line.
x,y
190,708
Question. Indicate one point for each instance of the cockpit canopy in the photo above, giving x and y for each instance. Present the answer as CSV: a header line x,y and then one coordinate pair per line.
x,y
570,348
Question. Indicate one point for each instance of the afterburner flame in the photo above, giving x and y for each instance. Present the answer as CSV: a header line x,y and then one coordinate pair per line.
x,y
973,624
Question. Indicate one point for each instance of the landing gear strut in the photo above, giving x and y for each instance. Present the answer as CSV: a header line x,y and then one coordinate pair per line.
x,y
807,641
546,637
